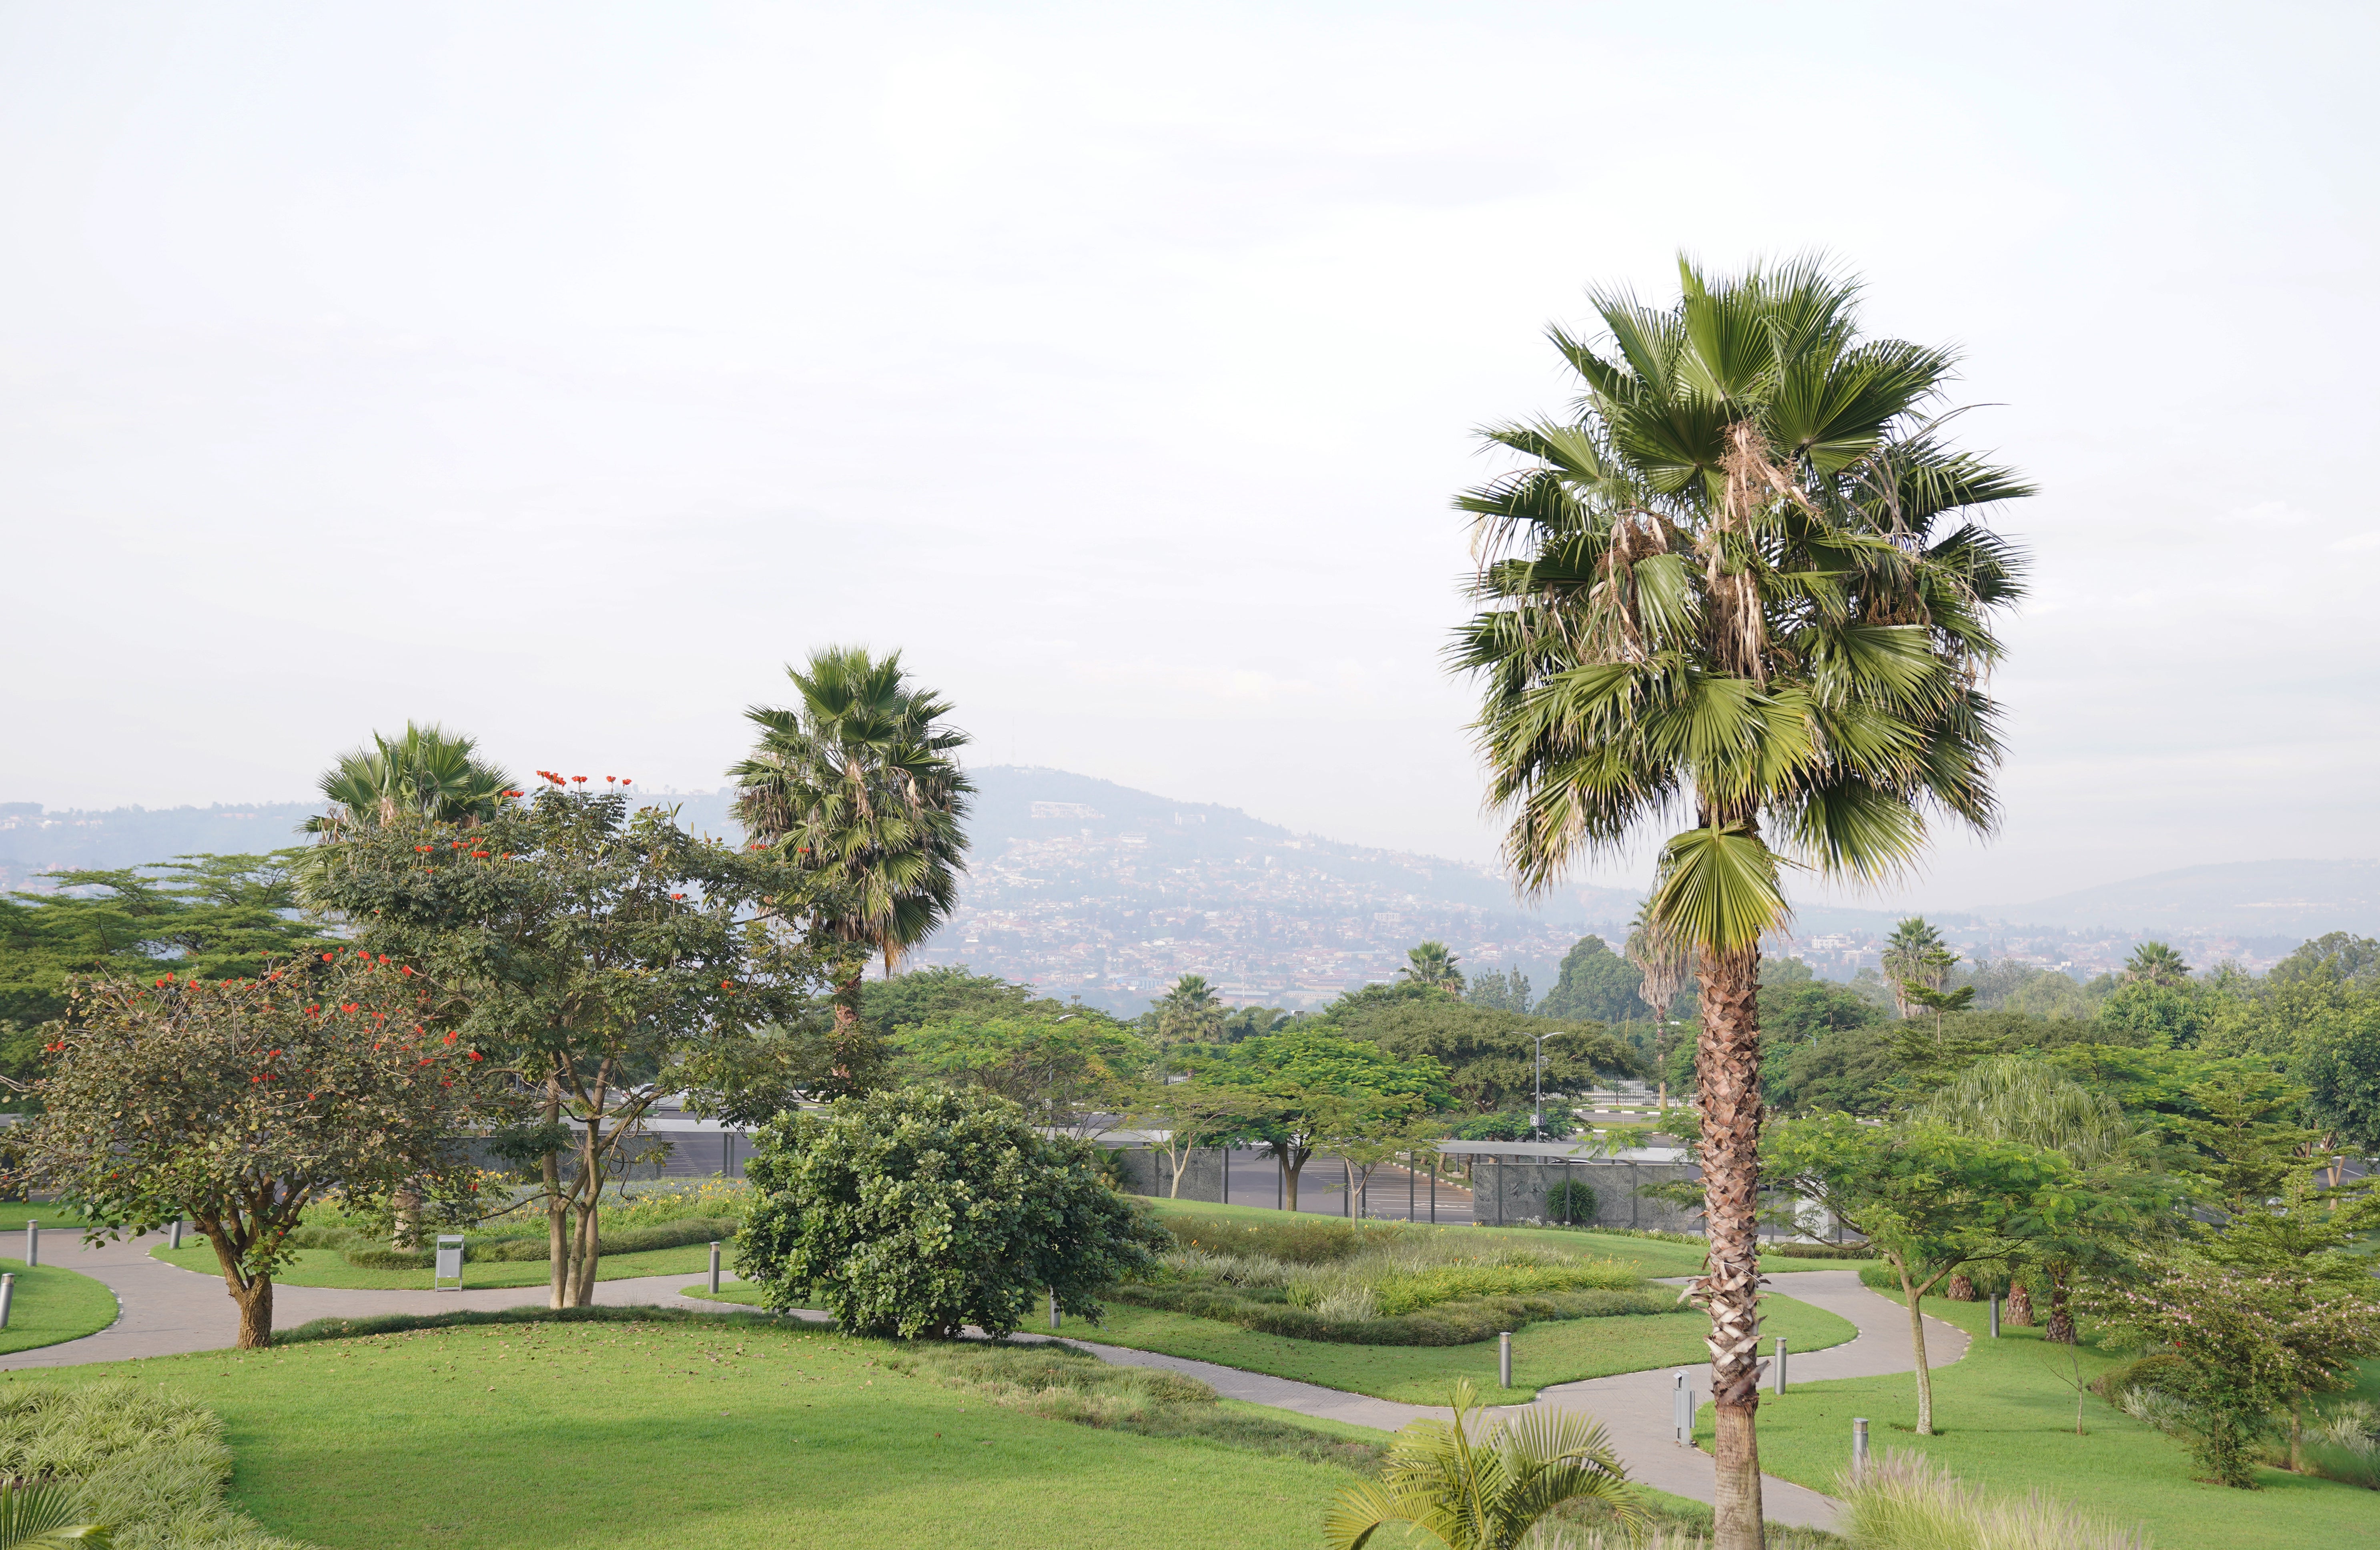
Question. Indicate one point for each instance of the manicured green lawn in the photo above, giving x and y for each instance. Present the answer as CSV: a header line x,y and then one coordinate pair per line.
x,y
49,1305
1557,1350
15,1214
2006,1422
323,1268
1649,1256
617,1437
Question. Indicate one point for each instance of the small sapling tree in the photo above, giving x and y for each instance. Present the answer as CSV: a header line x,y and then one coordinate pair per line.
x,y
237,1104
1928,1198
922,1212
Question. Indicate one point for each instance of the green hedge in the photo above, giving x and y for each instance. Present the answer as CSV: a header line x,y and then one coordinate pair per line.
x,y
1818,1251
1448,1324
1397,1295
488,1250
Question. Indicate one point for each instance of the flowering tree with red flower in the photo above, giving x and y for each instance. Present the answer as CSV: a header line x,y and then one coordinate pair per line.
x,y
605,959
238,1103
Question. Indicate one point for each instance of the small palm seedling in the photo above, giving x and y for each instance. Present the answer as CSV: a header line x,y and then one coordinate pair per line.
x,y
1486,1493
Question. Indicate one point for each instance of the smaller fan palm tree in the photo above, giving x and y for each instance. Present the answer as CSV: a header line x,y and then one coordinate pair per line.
x,y
42,1518
427,773
2158,963
1486,1493
1431,963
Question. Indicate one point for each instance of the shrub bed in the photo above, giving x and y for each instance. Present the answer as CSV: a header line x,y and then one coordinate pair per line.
x,y
1448,1324
149,1466
492,1250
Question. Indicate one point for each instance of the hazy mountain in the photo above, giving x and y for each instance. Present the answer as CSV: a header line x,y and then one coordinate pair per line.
x,y
2295,899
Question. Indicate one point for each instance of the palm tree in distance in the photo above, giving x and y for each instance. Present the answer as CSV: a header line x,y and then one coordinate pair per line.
x,y
1736,589
2156,963
1432,965
859,781
1667,966
1915,955
426,773
1190,1012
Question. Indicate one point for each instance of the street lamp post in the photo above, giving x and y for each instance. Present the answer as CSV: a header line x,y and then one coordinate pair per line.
x,y
1538,1119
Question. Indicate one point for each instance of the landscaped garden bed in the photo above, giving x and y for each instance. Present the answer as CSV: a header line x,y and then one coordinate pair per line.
x,y
1374,1283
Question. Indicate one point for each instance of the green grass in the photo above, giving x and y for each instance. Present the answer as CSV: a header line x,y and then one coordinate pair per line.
x,y
1646,1257
1561,1350
723,1433
2005,1421
50,1305
15,1214
323,1268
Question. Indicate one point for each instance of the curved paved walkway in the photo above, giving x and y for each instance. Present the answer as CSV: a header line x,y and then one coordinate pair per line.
x,y
168,1310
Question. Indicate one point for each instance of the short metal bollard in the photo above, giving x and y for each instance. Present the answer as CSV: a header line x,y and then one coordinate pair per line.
x,y
1779,1374
1995,1315
1859,1445
1053,1307
175,1241
1682,1411
7,1295
1504,1359
32,1245
714,1270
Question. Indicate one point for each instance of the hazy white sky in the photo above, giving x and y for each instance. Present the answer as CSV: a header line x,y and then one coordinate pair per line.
x,y
560,372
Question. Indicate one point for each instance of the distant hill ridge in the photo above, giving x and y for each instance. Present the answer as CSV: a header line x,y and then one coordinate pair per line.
x,y
2277,898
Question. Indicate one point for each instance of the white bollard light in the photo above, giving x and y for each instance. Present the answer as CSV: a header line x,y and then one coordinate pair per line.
x,y
1504,1359
7,1295
714,1270
1781,1365
1859,1445
32,1245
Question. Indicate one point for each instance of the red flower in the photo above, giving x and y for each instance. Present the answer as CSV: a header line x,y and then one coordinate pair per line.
x,y
475,1054
451,1037
727,984
580,779
405,970
677,895
608,778
326,958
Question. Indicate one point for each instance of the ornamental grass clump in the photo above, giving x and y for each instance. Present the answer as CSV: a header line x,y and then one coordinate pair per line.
x,y
1903,1500
149,1466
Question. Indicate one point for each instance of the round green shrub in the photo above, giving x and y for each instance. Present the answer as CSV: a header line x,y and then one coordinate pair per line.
x,y
921,1212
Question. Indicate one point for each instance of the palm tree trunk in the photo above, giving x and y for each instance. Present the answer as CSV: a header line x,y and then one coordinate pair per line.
x,y
2018,1313
2061,1317
1728,1079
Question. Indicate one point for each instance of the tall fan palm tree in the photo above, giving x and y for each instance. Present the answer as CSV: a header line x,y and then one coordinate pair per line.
x,y
1736,589
428,772
859,780
1915,954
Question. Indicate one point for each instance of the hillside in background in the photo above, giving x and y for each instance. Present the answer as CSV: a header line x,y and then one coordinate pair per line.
x,y
1088,888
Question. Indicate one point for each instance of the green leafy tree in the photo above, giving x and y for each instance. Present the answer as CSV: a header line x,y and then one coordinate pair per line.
x,y
1432,965
2250,1346
1298,1089
1490,1057
1500,990
1491,1492
1071,1072
1596,984
920,1213
1185,1113
1929,1199
2338,1058
216,916
239,1104
919,996
2014,1098
1739,584
859,784
604,959
1849,1070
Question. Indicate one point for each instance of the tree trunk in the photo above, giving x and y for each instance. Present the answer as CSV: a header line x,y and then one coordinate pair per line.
x,y
847,1033
1728,1079
2061,1317
255,1302
1917,1347
1290,1171
1961,1289
558,1235
405,1202
2018,1314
